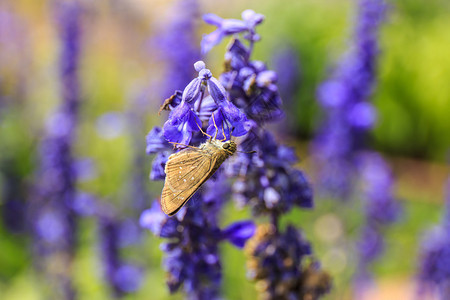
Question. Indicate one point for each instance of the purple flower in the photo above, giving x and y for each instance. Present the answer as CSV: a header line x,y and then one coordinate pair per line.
x,y
339,145
381,210
342,138
434,263
238,233
238,105
153,218
251,86
128,278
183,121
276,263
267,181
228,119
344,98
192,258
380,203
159,163
54,220
177,46
123,277
286,63
229,27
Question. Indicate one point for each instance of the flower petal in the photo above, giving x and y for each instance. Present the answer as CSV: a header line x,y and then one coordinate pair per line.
x,y
192,91
238,233
155,141
216,90
210,40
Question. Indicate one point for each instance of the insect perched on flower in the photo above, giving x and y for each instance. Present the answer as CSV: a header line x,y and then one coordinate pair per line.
x,y
188,169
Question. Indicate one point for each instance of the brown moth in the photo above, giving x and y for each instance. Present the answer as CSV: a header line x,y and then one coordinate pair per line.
x,y
188,169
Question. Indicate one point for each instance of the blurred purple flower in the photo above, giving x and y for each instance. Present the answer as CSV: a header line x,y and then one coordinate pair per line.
x,y
286,64
110,125
54,220
153,218
238,233
434,262
227,27
128,278
14,194
177,45
158,165
85,204
275,262
123,277
381,207
344,98
339,145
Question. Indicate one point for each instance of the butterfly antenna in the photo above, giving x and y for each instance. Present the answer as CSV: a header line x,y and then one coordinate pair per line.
x,y
203,131
250,152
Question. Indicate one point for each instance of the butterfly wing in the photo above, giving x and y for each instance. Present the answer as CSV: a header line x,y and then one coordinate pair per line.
x,y
185,171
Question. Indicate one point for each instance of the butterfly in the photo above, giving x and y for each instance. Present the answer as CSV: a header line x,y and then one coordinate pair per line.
x,y
187,170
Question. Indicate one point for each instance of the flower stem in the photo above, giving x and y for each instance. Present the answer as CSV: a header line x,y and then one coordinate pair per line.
x,y
274,220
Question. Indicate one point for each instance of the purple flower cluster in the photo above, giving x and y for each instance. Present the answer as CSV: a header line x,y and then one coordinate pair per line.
x,y
339,146
115,234
344,98
287,65
266,180
192,254
231,26
434,268
381,209
276,262
238,105
184,119
54,222
192,258
57,204
123,277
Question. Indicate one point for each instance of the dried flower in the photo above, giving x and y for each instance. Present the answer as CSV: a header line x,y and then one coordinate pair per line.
x,y
276,264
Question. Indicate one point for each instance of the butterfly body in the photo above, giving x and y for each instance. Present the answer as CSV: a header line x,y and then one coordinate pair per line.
x,y
188,169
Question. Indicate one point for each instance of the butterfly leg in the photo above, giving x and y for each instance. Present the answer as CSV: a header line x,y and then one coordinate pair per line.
x,y
215,125
224,136
174,144
204,132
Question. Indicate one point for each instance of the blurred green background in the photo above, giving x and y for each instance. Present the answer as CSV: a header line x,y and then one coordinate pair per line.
x,y
413,129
